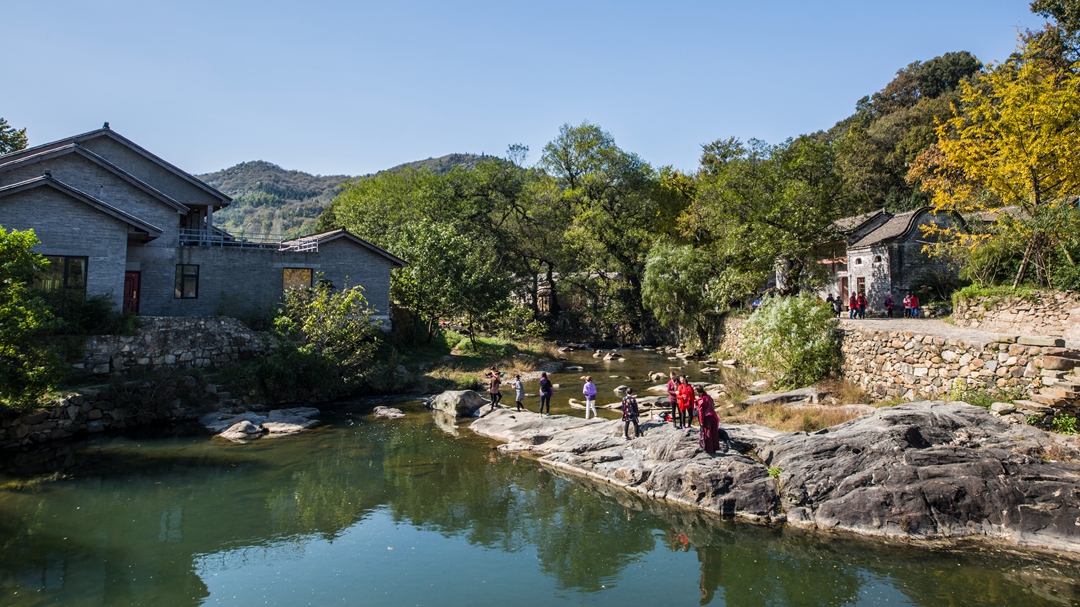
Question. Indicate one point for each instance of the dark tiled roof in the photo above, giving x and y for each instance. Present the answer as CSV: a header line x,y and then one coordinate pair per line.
x,y
850,224
81,196
7,163
107,132
896,226
329,235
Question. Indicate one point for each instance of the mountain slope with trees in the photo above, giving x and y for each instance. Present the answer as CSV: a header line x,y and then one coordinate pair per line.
x,y
271,201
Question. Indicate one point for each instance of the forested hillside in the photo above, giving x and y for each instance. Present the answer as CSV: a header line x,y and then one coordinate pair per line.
x,y
271,201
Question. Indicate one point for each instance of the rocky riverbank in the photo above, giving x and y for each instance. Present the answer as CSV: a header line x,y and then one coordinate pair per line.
x,y
928,470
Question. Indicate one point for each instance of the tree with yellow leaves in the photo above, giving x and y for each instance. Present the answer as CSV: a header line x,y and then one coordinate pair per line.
x,y
1011,152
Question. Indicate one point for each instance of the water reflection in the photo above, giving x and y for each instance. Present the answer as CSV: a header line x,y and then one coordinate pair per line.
x,y
163,521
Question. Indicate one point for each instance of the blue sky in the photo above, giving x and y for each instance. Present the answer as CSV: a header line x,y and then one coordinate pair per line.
x,y
355,87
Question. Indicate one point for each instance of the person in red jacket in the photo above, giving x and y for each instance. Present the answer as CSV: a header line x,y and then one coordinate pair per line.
x,y
685,393
914,306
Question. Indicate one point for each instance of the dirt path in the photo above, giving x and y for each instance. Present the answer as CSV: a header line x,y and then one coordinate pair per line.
x,y
921,326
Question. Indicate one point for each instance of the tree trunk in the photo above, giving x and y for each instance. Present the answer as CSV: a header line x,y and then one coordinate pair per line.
x,y
554,308
1023,264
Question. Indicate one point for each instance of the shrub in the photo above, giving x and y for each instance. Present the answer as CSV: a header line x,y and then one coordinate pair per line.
x,y
28,369
326,341
1064,424
793,338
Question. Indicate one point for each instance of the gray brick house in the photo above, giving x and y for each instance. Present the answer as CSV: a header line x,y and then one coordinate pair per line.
x,y
118,221
882,253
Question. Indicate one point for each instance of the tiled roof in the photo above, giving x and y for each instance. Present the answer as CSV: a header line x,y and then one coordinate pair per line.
x,y
329,235
849,224
47,181
896,226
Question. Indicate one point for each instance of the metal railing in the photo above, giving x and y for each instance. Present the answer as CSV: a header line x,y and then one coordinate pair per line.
x,y
203,238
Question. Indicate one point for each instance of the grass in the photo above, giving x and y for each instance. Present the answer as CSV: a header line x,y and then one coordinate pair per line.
x,y
785,418
991,295
452,361
980,396
845,392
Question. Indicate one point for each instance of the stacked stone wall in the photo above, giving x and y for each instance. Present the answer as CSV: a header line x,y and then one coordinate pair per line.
x,y
1055,313
910,366
112,407
170,343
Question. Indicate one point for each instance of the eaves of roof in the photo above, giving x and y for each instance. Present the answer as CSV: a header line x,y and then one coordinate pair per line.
x,y
46,181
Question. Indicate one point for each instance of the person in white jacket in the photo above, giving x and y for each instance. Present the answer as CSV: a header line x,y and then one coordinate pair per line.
x,y
590,396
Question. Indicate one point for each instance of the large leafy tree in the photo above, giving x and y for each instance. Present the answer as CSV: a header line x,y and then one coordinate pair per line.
x,y
762,207
1013,143
619,205
11,139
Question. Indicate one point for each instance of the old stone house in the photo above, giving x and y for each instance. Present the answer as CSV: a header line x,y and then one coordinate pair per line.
x,y
882,253
119,222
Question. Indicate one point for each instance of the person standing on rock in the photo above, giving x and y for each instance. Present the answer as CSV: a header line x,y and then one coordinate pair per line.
x,y
708,422
519,392
630,414
590,397
545,393
673,398
494,387
686,400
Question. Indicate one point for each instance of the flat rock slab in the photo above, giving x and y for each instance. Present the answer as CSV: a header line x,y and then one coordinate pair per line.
x,y
784,397
666,463
931,470
925,470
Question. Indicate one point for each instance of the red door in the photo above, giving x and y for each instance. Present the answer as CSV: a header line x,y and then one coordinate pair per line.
x,y
132,282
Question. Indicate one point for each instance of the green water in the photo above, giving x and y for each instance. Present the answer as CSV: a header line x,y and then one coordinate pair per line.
x,y
373,512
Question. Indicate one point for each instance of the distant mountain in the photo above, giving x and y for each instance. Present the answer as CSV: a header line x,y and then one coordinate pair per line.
x,y
271,201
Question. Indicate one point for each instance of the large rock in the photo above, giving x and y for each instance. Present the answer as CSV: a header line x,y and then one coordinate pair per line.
x,y
931,470
666,463
459,403
242,431
921,470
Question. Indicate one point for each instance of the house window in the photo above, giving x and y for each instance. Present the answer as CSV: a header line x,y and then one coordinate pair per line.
x,y
296,278
64,275
860,286
877,258
858,261
187,281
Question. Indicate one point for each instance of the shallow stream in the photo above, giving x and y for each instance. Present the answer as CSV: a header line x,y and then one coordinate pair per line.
x,y
363,511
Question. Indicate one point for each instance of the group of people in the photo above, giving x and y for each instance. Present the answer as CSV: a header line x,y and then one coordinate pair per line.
x,y
686,405
857,304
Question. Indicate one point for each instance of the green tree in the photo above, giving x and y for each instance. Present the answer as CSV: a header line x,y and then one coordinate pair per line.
x,y
619,206
677,288
11,139
28,368
761,208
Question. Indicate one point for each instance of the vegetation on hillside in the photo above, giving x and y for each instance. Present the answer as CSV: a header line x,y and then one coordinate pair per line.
x,y
271,201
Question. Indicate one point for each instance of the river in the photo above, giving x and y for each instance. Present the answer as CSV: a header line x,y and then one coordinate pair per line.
x,y
364,511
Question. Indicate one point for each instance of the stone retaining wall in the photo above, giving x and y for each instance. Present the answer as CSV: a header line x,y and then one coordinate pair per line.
x,y
170,342
1055,313
95,410
910,366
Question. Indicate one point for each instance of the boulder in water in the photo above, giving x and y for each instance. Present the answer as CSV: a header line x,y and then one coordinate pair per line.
x,y
388,412
242,431
458,403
